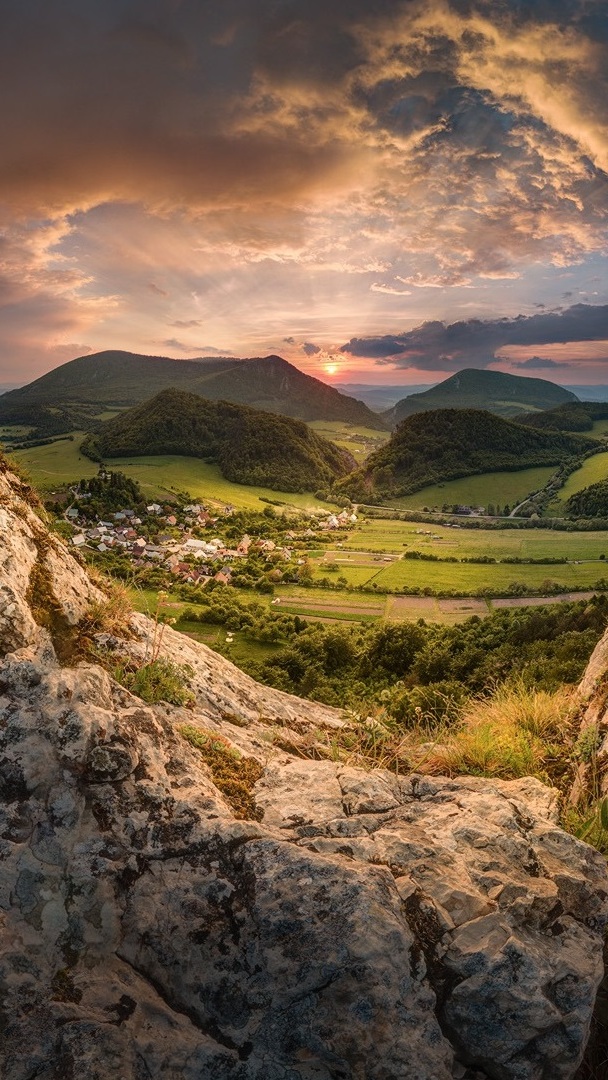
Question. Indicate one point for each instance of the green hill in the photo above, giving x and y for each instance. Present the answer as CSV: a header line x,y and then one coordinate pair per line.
x,y
590,502
506,395
250,447
88,384
432,447
573,416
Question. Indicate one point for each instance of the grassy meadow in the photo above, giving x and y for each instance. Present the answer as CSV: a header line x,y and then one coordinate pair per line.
x,y
591,471
496,487
384,536
160,477
342,434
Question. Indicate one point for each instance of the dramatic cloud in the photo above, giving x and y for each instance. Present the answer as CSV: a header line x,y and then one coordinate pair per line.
x,y
276,174
435,346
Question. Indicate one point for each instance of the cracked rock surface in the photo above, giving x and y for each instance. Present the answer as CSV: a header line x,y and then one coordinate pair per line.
x,y
367,927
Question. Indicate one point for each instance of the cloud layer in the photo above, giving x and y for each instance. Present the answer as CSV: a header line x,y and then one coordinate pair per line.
x,y
185,171
435,346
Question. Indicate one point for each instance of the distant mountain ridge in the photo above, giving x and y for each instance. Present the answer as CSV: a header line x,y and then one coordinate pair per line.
x,y
445,444
381,397
506,395
97,380
250,446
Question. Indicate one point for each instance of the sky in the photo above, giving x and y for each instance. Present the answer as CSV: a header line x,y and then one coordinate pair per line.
x,y
381,191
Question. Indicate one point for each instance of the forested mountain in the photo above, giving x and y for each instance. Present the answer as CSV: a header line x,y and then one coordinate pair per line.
x,y
251,447
442,445
506,395
123,378
573,416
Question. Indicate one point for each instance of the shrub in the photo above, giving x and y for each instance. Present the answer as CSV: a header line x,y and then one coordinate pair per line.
x,y
158,680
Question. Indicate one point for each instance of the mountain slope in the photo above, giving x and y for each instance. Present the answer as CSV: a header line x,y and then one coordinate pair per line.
x,y
123,378
430,447
506,395
250,446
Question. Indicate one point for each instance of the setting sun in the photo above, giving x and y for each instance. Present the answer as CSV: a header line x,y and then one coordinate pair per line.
x,y
331,369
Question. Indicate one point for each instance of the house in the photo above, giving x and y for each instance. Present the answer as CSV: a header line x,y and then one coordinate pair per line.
x,y
181,568
79,540
120,516
223,579
171,520
154,508
72,514
197,545
139,544
243,545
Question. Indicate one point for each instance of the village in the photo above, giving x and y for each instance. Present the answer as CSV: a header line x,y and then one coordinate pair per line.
x,y
175,538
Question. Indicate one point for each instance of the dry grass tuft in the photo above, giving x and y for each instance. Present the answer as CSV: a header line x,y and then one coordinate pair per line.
x,y
517,732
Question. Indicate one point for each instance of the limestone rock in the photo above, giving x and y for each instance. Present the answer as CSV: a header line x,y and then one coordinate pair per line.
x,y
365,926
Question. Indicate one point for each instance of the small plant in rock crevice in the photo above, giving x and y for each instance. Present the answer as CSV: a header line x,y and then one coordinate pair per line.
x,y
158,680
233,774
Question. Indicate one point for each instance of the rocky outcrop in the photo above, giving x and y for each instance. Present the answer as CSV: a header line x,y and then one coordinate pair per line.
x,y
357,925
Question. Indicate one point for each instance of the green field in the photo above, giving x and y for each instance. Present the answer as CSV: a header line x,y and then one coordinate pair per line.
x,y
599,429
591,471
14,432
331,606
379,535
58,463
469,578
163,476
498,487
342,434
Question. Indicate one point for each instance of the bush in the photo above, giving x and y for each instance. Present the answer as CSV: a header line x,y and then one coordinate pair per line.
x,y
159,680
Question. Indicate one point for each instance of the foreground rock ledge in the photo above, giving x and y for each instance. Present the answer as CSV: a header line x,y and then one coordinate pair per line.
x,y
368,927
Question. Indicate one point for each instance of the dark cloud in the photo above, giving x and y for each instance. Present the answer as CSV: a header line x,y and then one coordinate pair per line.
x,y
310,349
186,324
435,346
536,363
